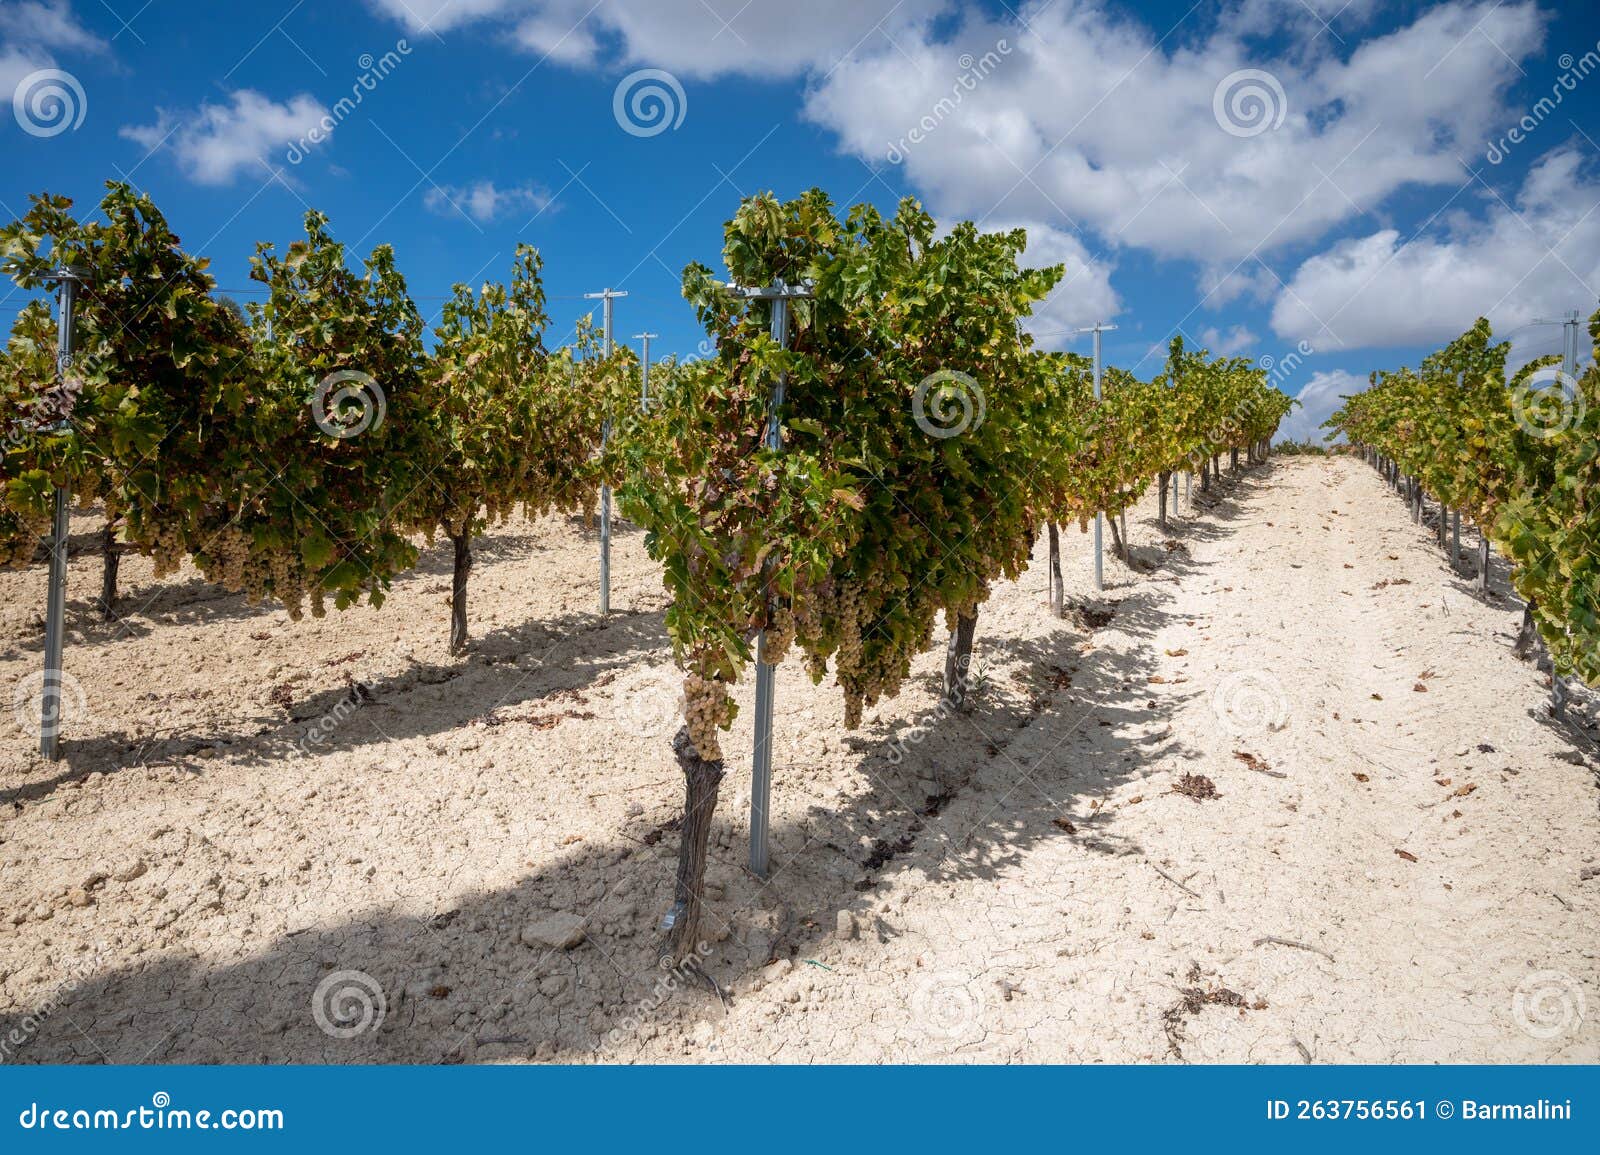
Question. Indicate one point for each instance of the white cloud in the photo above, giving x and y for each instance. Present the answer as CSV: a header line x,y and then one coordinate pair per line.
x,y
1093,121
694,38
483,201
1318,399
441,15
1236,340
1083,295
1106,132
1534,258
555,38
16,64
217,142
1222,284
48,24
32,33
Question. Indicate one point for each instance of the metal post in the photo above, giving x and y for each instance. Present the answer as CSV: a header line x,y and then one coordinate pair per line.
x,y
1099,519
779,294
1569,340
1569,362
605,296
644,366
55,616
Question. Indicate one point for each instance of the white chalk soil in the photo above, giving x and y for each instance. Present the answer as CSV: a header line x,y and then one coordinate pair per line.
x,y
1280,794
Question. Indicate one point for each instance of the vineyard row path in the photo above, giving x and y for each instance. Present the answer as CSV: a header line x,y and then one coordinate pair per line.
x,y
1294,800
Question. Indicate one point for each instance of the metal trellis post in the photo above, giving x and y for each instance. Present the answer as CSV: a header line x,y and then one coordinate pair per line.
x,y
1099,519
67,280
644,369
605,296
780,294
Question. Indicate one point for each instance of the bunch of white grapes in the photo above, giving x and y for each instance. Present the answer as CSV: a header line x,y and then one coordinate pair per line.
x,y
707,708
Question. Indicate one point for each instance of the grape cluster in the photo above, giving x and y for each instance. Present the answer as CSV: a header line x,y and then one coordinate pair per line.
x,y
226,561
231,561
164,542
19,537
707,708
780,633
288,582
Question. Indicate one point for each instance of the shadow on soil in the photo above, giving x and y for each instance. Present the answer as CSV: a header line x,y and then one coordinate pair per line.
x,y
504,671
141,609
1058,726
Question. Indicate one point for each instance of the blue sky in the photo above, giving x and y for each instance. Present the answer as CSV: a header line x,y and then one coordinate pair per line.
x,y
1264,176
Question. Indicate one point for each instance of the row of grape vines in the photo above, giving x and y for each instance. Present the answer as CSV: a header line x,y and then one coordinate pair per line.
x,y
298,451
926,443
1519,457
